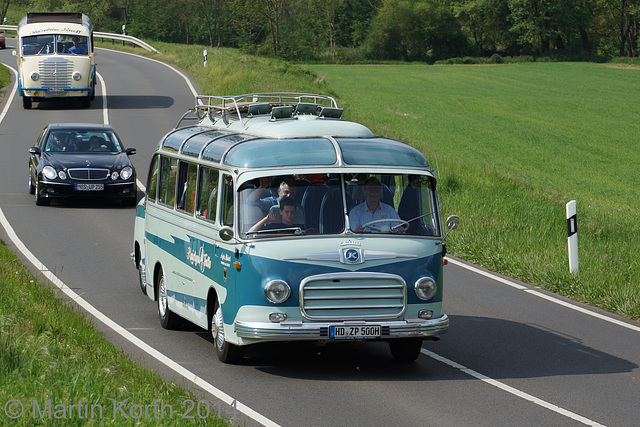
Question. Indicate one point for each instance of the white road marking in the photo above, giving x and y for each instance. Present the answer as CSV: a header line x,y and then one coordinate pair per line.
x,y
542,295
511,390
174,366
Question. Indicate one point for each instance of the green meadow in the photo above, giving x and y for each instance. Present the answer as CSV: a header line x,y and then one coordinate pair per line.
x,y
514,143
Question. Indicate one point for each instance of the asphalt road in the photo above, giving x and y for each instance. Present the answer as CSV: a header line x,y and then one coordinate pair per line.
x,y
514,355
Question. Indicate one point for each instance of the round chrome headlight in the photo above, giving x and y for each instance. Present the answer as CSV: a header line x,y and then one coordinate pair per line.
x,y
126,173
49,172
426,288
114,175
77,76
277,291
62,175
35,76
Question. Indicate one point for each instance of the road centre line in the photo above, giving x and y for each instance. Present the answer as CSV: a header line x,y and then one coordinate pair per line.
x,y
160,357
511,390
542,295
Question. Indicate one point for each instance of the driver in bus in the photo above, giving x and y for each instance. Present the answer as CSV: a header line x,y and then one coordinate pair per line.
x,y
372,209
76,49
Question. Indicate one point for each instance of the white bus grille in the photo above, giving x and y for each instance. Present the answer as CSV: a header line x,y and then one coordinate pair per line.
x,y
347,296
55,73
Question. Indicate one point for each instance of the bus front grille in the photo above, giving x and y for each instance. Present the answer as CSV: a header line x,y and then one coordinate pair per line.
x,y
55,73
353,296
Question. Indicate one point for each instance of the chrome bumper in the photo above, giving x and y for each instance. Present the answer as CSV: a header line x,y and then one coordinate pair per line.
x,y
316,331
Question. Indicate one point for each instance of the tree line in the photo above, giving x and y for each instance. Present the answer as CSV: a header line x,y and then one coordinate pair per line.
x,y
347,30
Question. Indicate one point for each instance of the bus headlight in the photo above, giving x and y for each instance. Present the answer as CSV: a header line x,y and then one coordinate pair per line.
x,y
126,173
35,76
49,172
277,291
77,76
426,288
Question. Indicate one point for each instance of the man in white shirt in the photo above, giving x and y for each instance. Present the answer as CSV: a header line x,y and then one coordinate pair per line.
x,y
373,209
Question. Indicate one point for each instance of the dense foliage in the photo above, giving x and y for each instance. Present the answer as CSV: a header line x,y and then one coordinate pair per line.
x,y
407,30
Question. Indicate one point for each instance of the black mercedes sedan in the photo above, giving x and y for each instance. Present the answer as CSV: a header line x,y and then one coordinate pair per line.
x,y
81,160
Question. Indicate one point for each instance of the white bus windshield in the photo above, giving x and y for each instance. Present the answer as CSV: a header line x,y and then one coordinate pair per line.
x,y
48,44
399,204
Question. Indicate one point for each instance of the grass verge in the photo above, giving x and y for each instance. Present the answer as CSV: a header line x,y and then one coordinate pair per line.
x,y
56,368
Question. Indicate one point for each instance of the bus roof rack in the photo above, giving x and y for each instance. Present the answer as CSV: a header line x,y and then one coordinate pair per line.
x,y
254,104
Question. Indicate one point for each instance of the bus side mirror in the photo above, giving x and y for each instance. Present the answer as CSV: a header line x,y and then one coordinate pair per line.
x,y
452,224
226,233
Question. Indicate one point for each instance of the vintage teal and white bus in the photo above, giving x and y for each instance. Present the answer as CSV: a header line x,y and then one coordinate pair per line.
x,y
355,254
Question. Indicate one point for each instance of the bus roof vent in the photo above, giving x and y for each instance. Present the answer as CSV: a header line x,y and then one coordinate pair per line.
x,y
306,108
281,112
331,113
258,109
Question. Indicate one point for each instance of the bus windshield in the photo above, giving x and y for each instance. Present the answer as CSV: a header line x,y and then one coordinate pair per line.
x,y
297,205
48,44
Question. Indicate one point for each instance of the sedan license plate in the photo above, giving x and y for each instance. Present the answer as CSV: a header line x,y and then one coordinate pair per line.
x,y
89,187
355,331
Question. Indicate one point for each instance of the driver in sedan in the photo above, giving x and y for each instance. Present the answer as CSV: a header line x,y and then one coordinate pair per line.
x,y
372,209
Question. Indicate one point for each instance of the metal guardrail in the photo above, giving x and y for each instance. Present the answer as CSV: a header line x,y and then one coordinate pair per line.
x,y
100,35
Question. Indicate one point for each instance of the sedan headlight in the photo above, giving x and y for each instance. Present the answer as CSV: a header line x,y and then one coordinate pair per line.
x,y
126,172
114,175
62,175
35,76
426,288
49,172
277,291
77,76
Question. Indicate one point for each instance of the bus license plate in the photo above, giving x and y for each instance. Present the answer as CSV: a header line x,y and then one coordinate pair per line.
x,y
89,187
355,331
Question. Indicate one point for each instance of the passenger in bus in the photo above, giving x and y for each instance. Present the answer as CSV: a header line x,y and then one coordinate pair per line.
x,y
76,49
270,204
287,208
373,209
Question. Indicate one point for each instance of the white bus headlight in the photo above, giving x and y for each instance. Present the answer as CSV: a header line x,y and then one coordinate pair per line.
x,y
277,291
49,172
126,173
77,76
426,288
35,76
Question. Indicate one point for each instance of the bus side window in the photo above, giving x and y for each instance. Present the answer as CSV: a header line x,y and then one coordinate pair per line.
x,y
152,181
187,186
169,169
227,197
208,194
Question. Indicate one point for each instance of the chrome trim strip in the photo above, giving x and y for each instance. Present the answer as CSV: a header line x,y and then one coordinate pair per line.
x,y
292,330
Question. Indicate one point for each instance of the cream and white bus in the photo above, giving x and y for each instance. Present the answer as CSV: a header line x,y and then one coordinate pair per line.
x,y
273,219
56,58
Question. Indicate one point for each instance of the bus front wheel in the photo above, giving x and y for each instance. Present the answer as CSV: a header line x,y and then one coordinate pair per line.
x,y
226,352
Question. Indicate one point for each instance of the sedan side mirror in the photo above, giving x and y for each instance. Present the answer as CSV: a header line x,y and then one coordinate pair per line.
x,y
34,150
130,151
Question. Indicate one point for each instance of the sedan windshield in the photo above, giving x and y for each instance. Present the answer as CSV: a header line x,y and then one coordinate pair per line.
x,y
70,141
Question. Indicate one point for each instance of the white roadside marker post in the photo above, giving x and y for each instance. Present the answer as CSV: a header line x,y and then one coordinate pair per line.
x,y
205,57
572,236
